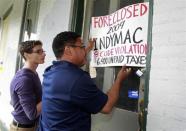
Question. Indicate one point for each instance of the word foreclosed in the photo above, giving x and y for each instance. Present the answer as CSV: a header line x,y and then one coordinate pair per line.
x,y
136,10
121,37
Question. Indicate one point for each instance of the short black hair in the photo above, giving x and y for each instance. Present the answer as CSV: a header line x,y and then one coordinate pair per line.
x,y
61,40
27,46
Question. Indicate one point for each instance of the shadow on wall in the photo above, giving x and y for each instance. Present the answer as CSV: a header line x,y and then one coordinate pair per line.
x,y
3,127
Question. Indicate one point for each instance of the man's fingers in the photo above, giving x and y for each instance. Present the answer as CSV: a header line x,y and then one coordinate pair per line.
x,y
125,68
128,69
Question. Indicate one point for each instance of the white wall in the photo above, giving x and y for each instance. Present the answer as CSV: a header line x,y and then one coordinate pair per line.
x,y
9,62
54,16
167,89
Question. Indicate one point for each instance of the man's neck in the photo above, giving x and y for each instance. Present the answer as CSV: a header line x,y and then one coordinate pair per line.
x,y
31,66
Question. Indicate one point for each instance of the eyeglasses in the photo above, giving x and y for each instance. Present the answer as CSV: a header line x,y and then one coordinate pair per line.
x,y
80,46
40,52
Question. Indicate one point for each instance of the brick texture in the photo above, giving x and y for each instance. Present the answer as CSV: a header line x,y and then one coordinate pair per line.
x,y
167,88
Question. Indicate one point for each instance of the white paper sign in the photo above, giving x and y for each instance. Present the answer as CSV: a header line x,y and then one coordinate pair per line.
x,y
121,37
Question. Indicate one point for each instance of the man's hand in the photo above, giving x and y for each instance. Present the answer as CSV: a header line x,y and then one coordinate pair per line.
x,y
90,45
123,73
113,93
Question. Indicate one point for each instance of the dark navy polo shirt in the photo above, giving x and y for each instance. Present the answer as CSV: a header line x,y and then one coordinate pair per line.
x,y
69,98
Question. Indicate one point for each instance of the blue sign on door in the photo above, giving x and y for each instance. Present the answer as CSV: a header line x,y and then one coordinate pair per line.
x,y
133,94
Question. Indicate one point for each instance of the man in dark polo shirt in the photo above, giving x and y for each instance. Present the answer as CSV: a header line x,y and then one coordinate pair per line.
x,y
25,88
69,94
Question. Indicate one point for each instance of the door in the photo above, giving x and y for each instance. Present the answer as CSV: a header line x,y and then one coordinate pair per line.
x,y
126,116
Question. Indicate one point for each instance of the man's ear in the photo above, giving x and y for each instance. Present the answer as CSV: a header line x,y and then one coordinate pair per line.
x,y
26,55
67,51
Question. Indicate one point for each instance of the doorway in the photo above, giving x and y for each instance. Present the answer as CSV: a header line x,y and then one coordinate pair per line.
x,y
128,115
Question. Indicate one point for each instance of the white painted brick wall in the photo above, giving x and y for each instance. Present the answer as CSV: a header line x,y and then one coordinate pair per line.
x,y
167,89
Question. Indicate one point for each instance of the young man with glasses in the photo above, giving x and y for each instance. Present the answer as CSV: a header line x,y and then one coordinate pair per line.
x,y
69,94
25,88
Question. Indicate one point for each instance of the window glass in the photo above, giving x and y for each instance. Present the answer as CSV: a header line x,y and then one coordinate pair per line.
x,y
124,3
100,8
129,94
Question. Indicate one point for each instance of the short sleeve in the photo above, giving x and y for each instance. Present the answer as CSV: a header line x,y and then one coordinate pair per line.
x,y
87,95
